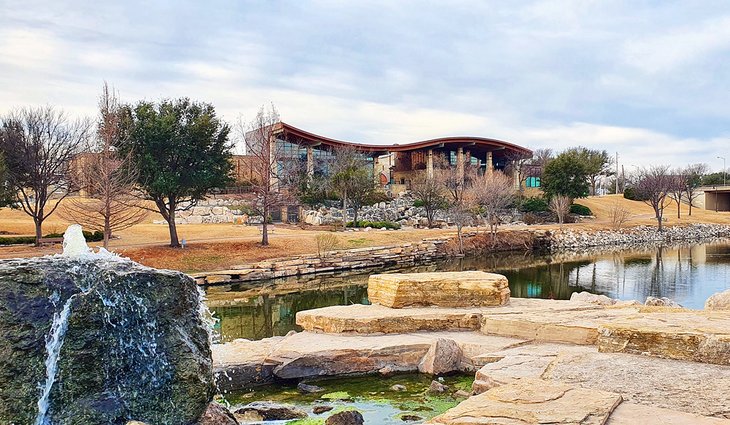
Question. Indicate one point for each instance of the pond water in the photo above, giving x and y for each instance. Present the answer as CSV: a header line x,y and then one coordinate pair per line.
x,y
687,274
372,396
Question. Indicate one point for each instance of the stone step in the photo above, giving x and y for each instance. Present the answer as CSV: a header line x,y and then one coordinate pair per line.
x,y
700,336
633,414
444,289
243,364
533,401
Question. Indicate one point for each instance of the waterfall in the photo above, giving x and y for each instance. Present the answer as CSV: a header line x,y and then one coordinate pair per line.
x,y
54,341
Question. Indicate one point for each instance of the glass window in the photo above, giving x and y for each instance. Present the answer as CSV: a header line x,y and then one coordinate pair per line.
x,y
532,182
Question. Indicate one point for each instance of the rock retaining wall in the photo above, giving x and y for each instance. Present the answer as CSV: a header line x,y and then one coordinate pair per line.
x,y
637,236
406,254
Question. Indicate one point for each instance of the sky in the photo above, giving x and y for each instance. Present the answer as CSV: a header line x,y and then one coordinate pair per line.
x,y
647,79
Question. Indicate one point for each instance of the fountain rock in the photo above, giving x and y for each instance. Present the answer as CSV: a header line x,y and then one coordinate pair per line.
x,y
348,417
96,339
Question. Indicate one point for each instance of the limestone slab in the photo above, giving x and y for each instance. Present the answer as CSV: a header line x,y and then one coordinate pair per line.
x,y
533,401
445,289
695,335
567,326
242,364
697,388
367,319
633,414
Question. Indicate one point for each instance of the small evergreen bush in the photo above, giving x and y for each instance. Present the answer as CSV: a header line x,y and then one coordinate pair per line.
x,y
580,210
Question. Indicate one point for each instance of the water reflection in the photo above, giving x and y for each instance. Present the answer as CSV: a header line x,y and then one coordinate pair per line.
x,y
687,274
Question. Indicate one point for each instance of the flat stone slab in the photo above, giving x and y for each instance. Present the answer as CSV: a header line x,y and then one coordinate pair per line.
x,y
700,336
566,326
533,401
633,414
696,388
368,319
243,364
444,289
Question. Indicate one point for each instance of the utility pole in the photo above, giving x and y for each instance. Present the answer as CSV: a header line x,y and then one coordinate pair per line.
x,y
616,173
724,173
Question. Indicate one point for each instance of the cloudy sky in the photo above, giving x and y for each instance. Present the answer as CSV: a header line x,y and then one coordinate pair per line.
x,y
647,79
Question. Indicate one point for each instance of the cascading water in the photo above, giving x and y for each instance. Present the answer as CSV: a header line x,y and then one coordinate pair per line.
x,y
96,339
54,341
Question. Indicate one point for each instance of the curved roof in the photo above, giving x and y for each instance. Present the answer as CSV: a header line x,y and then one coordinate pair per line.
x,y
478,143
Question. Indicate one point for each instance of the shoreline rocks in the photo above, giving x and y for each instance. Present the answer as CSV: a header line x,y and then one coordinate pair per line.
x,y
636,236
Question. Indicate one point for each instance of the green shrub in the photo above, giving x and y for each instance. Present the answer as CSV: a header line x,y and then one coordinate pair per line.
x,y
24,240
17,240
580,210
89,236
534,204
374,224
418,203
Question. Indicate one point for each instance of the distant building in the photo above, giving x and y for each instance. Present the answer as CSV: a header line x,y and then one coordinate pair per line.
x,y
394,165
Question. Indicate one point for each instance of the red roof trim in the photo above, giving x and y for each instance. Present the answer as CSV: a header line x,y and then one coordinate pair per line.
x,y
466,140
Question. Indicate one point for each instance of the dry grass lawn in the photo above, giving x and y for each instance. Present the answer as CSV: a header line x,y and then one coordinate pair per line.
x,y
223,246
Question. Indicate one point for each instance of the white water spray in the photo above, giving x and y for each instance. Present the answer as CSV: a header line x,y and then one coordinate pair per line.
x,y
74,243
54,342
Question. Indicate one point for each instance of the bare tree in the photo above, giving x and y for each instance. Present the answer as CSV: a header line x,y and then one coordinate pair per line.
x,y
518,164
457,185
350,178
693,181
654,184
560,205
430,192
269,183
108,179
493,193
39,144
678,188
619,215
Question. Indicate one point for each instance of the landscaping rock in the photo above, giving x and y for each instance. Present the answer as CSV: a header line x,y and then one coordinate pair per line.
x,y
216,414
348,417
445,289
443,357
318,410
309,389
661,302
719,301
268,411
398,387
437,388
410,418
695,336
134,342
587,297
532,401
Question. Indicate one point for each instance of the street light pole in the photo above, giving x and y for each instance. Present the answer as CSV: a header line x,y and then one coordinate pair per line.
x,y
724,173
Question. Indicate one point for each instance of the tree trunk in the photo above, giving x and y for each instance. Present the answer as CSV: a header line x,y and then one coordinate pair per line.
x,y
679,208
461,240
107,229
357,210
174,242
344,211
690,206
38,231
659,219
265,227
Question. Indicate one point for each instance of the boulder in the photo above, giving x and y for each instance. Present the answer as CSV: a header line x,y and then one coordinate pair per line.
x,y
437,388
308,389
445,289
348,417
318,410
216,414
587,297
97,339
268,411
533,401
443,357
719,301
661,302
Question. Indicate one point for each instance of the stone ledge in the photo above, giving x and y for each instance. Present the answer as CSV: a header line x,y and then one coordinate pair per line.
x,y
533,401
700,336
443,289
